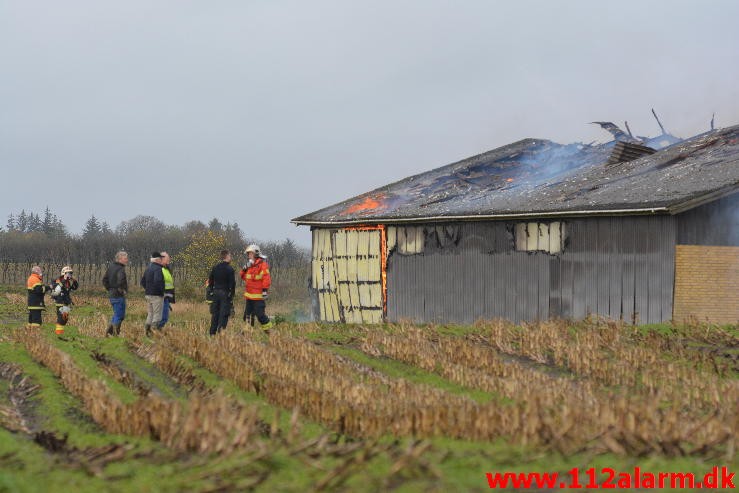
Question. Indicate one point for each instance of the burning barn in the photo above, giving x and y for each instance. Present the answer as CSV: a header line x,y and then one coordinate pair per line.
x,y
537,230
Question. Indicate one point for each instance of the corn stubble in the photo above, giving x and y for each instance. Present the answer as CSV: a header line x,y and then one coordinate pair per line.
x,y
607,389
212,424
597,386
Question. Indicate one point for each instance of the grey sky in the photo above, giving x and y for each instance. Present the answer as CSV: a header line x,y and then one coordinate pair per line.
x,y
259,111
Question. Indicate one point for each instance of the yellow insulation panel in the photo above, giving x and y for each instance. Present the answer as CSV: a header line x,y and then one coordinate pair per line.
x,y
347,271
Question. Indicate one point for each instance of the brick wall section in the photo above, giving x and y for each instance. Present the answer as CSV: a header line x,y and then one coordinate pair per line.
x,y
707,283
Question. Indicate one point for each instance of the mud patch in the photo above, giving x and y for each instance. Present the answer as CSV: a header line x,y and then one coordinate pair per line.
x,y
92,459
17,415
128,378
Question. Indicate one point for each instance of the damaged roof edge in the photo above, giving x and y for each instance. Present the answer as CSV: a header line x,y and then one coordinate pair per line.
x,y
703,199
485,217
672,210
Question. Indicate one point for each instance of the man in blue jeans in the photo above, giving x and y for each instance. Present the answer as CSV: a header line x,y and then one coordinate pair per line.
x,y
117,285
169,298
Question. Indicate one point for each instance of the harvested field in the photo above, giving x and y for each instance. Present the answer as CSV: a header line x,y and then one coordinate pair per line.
x,y
353,408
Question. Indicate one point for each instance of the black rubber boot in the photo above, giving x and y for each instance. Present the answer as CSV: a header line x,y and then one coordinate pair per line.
x,y
117,328
110,331
147,327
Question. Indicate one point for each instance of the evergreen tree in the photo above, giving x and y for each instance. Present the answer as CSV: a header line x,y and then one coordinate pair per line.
x,y
35,225
21,223
48,223
92,228
215,225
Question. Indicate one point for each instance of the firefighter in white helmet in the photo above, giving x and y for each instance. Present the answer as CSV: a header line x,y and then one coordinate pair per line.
x,y
61,289
258,281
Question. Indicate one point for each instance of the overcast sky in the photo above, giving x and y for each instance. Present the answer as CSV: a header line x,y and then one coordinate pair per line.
x,y
260,111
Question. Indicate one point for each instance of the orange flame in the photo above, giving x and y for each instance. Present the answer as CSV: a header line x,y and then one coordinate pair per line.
x,y
367,204
509,180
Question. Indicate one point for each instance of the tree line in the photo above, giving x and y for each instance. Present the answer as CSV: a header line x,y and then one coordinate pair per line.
x,y
29,237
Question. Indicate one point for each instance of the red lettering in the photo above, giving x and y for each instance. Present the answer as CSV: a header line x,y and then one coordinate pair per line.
x,y
624,481
608,482
648,480
686,480
574,474
717,478
710,479
727,480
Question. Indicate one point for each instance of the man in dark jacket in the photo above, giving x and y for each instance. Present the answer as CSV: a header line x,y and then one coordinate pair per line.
x,y
116,283
222,281
153,284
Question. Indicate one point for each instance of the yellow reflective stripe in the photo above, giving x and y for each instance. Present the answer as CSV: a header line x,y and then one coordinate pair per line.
x,y
34,325
253,296
37,308
258,277
248,276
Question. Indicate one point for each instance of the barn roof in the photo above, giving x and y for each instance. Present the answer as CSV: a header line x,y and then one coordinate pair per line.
x,y
540,178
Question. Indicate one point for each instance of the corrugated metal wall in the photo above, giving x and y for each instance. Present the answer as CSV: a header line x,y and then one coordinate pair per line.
x,y
716,223
620,267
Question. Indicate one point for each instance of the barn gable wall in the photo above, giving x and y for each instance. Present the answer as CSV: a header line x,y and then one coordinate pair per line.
x,y
715,223
618,267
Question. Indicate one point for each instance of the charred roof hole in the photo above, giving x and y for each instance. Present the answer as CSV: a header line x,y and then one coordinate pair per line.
x,y
546,237
628,151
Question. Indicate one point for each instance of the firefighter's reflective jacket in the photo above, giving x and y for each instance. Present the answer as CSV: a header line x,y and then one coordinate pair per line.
x,y
65,295
36,292
257,279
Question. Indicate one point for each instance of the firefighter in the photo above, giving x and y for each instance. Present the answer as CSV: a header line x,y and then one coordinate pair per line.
x,y
36,291
256,276
61,289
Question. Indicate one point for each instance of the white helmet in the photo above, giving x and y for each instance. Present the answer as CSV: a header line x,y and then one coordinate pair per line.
x,y
252,248
66,269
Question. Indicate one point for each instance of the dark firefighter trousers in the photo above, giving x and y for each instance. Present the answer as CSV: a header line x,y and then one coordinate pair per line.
x,y
34,317
255,309
220,310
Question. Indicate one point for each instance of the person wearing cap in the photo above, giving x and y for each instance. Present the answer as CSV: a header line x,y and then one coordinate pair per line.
x,y
153,283
116,282
258,281
169,298
61,289
36,291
